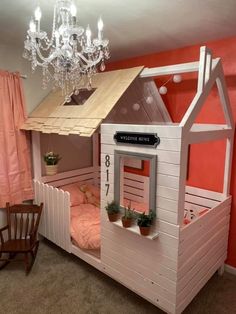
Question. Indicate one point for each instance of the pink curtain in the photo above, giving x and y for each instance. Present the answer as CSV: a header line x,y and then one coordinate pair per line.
x,y
15,161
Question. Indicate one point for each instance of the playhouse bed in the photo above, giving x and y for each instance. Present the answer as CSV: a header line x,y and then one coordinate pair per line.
x,y
188,242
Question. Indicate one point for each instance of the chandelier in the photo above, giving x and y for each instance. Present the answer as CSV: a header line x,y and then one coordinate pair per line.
x,y
70,55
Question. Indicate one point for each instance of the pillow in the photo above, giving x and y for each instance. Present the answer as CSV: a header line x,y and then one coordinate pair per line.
x,y
76,196
94,190
93,200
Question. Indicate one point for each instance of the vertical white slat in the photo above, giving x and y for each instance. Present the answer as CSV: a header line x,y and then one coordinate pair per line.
x,y
67,242
37,201
51,212
48,218
60,215
44,213
56,216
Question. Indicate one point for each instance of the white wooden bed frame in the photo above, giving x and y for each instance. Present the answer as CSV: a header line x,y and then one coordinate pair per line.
x,y
168,270
55,220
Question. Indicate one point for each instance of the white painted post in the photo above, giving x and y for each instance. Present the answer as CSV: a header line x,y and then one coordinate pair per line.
x,y
36,155
182,179
95,156
228,166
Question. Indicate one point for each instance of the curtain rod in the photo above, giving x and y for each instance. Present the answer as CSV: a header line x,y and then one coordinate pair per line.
x,y
23,76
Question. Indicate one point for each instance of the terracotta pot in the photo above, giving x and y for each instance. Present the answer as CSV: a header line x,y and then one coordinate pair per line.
x,y
126,222
51,169
145,231
113,217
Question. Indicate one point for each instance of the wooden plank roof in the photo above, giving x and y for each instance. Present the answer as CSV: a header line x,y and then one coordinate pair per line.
x,y
51,116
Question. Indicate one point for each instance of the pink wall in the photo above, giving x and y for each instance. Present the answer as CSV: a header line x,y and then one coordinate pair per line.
x,y
208,156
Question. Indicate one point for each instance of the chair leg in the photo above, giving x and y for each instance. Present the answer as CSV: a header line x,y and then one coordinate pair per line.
x,y
6,262
26,260
33,253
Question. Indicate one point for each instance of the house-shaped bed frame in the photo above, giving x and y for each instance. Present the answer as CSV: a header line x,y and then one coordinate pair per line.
x,y
170,266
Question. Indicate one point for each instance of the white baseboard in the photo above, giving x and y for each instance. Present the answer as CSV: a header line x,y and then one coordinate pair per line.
x,y
230,269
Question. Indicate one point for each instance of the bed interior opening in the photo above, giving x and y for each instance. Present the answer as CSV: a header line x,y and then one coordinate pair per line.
x,y
204,192
79,176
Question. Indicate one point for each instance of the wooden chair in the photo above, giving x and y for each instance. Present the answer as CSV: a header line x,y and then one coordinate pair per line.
x,y
20,234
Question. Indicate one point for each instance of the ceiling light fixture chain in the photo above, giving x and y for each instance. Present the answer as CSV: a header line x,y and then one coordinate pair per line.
x,y
72,54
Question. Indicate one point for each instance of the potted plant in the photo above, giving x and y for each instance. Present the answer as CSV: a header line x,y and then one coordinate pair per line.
x,y
51,163
113,210
128,217
145,221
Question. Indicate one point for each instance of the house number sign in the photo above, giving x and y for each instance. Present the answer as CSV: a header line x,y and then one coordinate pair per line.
x,y
107,165
135,138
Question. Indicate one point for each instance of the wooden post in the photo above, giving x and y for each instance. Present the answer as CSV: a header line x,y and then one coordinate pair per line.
x,y
95,140
36,149
228,165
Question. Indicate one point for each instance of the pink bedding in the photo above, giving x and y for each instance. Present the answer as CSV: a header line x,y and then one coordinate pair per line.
x,y
85,214
85,226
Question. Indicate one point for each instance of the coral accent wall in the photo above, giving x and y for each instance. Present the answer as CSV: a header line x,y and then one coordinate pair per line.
x,y
208,156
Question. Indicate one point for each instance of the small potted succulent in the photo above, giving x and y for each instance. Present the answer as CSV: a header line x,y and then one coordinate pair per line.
x,y
113,211
51,163
127,218
145,221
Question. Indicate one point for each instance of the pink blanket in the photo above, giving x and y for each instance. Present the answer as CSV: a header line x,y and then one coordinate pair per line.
x,y
85,226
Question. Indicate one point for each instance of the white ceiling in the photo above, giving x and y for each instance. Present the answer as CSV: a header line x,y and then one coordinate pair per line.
x,y
134,27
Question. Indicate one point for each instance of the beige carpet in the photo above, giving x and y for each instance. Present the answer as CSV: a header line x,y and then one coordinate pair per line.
x,y
61,283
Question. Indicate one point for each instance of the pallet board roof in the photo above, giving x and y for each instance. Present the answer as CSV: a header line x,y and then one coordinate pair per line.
x,y
51,116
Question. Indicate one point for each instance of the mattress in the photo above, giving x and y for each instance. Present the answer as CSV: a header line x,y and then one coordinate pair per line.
x,y
85,215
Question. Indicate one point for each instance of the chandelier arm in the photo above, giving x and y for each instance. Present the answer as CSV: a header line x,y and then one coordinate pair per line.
x,y
87,61
47,60
47,45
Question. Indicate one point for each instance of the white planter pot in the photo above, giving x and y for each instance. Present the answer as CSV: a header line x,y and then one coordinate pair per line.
x,y
51,170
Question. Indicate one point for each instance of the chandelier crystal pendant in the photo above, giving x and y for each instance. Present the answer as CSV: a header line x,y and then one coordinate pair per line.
x,y
70,55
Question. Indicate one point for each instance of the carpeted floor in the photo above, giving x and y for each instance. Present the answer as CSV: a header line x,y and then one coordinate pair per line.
x,y
61,283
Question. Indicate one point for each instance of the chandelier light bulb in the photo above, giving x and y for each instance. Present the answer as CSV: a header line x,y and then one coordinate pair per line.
x,y
100,28
100,24
162,90
88,35
32,26
37,14
177,78
73,10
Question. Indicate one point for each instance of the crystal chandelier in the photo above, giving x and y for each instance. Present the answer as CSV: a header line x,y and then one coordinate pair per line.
x,y
70,55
